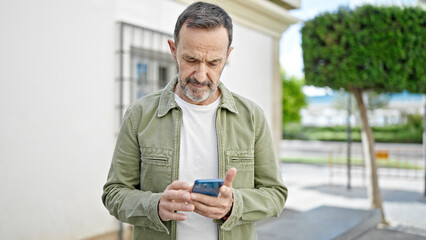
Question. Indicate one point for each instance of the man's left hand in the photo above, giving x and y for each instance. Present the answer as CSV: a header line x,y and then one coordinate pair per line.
x,y
216,207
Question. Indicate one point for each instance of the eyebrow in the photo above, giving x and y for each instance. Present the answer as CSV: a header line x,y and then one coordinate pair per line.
x,y
187,57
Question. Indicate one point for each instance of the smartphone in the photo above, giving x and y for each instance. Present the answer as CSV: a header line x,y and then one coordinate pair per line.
x,y
207,186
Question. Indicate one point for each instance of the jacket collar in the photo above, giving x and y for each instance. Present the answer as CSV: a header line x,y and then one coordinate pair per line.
x,y
167,99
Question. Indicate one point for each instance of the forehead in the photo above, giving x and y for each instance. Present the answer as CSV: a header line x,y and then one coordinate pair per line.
x,y
196,41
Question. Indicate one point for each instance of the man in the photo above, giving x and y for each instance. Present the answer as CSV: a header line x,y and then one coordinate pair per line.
x,y
195,128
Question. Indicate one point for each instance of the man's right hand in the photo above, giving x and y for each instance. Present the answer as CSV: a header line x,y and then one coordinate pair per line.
x,y
175,198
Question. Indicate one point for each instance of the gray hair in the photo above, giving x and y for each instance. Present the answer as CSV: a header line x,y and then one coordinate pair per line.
x,y
206,16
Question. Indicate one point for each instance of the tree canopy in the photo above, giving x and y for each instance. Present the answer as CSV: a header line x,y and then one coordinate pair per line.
x,y
370,47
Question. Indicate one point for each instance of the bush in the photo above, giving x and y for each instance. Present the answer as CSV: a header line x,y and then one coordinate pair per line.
x,y
401,133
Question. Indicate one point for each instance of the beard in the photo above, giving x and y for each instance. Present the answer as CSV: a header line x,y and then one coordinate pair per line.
x,y
197,94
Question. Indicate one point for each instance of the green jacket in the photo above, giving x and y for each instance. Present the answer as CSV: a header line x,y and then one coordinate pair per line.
x,y
146,161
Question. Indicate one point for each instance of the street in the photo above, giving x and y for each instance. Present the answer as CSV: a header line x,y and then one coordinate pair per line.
x,y
320,205
317,209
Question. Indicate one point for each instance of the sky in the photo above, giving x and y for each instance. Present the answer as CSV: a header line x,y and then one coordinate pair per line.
x,y
290,45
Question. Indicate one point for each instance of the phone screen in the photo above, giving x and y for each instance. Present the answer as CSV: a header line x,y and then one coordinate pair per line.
x,y
207,186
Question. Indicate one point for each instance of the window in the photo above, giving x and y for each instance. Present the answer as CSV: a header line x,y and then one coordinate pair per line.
x,y
145,63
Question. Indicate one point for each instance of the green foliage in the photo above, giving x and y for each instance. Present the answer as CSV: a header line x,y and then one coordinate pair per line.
x,y
370,47
293,99
401,133
415,121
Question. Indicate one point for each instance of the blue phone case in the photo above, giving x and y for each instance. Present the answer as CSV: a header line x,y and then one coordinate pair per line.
x,y
207,186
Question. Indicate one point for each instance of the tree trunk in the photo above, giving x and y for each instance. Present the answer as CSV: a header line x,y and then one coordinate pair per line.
x,y
424,139
367,138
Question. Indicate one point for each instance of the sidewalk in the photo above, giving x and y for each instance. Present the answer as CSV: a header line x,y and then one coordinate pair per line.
x,y
318,210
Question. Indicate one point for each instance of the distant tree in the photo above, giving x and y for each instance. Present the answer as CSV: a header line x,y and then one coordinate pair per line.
x,y
368,48
293,99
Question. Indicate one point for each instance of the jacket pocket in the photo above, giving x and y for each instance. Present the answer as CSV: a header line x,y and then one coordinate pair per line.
x,y
156,156
243,157
243,161
155,169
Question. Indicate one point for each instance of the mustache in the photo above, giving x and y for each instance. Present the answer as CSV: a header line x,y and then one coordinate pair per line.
x,y
194,81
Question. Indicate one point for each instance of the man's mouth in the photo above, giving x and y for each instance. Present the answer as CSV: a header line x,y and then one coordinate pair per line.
x,y
197,85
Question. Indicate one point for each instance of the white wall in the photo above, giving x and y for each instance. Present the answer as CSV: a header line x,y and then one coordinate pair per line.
x,y
249,71
158,15
58,101
57,111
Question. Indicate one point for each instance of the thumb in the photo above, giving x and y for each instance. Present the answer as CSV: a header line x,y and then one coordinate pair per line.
x,y
230,175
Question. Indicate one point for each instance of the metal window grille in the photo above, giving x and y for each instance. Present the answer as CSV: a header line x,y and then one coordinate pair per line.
x,y
145,63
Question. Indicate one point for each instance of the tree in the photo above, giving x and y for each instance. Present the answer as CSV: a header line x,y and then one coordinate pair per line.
x,y
368,48
293,99
375,100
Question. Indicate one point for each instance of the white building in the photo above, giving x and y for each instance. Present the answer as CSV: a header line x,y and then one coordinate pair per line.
x,y
66,77
326,110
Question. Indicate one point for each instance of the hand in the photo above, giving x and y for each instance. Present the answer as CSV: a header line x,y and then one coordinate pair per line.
x,y
175,198
216,207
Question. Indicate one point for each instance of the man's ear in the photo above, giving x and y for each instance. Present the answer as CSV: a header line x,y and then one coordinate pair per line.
x,y
229,52
172,47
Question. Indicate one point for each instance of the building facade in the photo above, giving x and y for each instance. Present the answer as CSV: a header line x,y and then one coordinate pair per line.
x,y
331,109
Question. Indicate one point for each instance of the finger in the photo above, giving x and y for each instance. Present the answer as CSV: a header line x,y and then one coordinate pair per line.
x,y
179,185
178,216
208,211
177,195
204,199
225,192
175,206
170,215
230,175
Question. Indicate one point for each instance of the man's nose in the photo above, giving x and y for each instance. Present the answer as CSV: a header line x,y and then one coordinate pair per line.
x,y
201,72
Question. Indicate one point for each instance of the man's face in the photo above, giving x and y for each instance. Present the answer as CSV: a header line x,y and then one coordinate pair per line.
x,y
200,56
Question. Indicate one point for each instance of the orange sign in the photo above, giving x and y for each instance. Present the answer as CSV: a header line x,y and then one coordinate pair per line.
x,y
382,154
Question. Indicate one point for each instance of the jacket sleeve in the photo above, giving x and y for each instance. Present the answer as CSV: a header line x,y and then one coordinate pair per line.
x,y
269,195
121,194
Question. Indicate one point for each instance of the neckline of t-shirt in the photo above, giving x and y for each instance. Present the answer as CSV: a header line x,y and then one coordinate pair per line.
x,y
210,106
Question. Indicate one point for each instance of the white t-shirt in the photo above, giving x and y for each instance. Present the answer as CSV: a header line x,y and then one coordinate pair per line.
x,y
198,159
